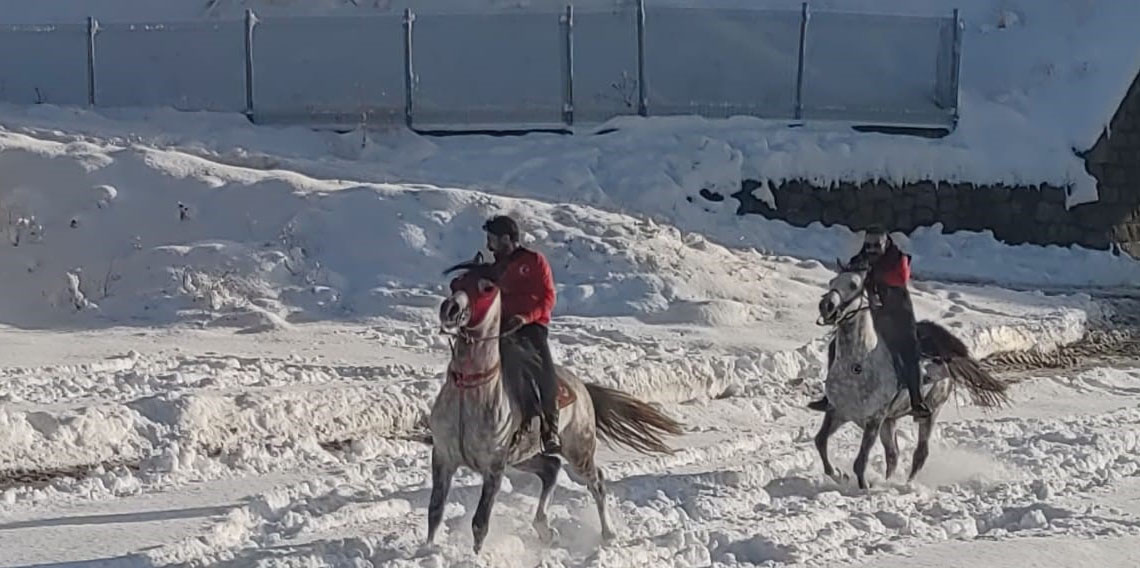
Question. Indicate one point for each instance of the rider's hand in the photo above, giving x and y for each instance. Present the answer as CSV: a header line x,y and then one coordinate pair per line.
x,y
514,324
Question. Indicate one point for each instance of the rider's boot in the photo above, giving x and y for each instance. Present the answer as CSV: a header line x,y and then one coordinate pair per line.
x,y
551,444
918,407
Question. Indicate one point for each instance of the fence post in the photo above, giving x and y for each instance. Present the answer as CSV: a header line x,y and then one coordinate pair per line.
x,y
250,23
568,66
92,29
642,99
956,62
409,74
805,15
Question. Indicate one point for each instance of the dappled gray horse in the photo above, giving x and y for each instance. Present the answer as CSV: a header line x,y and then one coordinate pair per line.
x,y
863,387
476,416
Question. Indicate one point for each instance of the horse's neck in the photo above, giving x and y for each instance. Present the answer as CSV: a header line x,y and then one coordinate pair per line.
x,y
481,354
857,335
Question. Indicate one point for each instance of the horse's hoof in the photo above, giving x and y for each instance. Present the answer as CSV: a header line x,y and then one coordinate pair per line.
x,y
607,536
840,477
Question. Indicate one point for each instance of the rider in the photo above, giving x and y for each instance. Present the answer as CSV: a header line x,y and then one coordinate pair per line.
x,y
893,314
528,297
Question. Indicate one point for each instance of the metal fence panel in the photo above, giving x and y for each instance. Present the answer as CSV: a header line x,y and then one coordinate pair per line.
x,y
487,69
721,62
946,80
44,64
874,67
188,65
336,68
605,65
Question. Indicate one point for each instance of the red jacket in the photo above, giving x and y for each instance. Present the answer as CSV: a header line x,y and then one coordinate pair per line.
x,y
892,269
527,286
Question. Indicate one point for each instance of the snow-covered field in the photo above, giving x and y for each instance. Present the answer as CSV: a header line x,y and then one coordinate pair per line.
x,y
215,358
219,339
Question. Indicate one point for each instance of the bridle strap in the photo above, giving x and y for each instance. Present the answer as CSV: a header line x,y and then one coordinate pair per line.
x,y
843,308
472,380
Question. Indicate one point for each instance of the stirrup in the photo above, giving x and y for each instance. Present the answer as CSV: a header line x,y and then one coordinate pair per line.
x,y
551,444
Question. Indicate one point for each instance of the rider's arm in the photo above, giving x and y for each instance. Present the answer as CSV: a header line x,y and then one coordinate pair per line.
x,y
898,275
542,291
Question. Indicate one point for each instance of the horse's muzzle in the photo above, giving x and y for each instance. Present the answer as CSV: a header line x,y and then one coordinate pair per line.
x,y
828,308
452,313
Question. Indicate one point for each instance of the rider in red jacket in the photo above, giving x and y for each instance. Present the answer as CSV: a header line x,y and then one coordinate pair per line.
x,y
893,314
527,291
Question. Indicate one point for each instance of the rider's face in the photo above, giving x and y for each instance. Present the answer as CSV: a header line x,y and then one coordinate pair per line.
x,y
876,244
498,244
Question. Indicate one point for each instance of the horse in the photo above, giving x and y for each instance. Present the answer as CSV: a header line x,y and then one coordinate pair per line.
x,y
476,417
862,385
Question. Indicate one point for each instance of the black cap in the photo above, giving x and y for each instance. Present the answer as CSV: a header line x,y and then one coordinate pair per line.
x,y
875,230
502,225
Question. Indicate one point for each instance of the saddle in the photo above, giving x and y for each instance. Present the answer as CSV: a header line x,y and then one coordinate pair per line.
x,y
566,397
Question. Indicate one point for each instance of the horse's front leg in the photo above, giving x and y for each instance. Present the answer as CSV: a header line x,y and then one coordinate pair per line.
x,y
829,426
441,474
479,525
870,434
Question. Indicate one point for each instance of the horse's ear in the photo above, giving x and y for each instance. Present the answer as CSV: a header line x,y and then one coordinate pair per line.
x,y
478,257
839,266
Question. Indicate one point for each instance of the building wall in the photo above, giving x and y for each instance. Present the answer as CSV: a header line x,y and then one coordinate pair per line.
x,y
1017,214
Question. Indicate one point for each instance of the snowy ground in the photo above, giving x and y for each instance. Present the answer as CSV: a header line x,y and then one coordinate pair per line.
x,y
216,359
218,337
284,450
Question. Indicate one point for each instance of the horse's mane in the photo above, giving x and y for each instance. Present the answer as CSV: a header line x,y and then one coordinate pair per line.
x,y
477,265
858,264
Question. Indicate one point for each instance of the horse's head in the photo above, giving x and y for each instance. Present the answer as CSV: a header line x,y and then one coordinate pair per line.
x,y
842,294
474,299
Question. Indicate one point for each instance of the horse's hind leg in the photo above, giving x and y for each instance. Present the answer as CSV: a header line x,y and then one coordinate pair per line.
x,y
546,468
479,525
889,436
922,450
829,426
580,454
870,432
441,474
596,481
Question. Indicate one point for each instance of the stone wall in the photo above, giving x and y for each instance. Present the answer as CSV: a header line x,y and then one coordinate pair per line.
x,y
1015,214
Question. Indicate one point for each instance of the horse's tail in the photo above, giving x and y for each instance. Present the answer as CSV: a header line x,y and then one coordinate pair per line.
x,y
985,390
625,420
939,344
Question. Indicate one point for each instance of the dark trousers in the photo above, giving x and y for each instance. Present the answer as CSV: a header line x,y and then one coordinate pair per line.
x,y
537,337
895,323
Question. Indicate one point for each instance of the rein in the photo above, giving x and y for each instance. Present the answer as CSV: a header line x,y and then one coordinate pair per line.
x,y
472,380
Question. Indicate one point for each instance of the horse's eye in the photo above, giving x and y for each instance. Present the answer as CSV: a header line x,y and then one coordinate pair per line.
x,y
852,286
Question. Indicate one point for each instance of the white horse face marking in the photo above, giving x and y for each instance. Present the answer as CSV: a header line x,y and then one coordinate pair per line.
x,y
842,291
